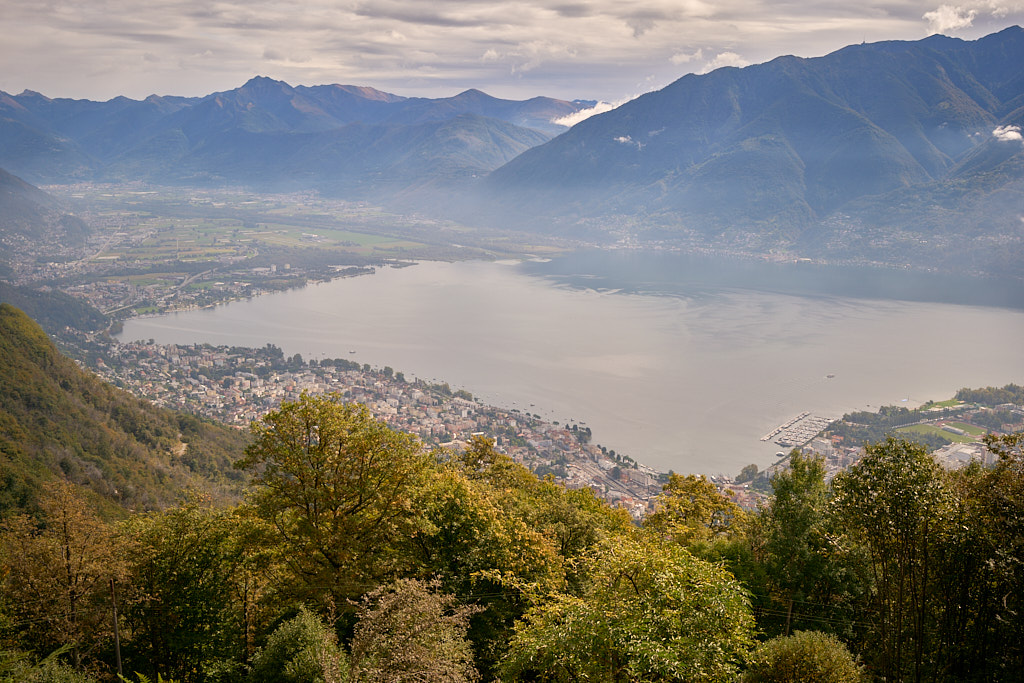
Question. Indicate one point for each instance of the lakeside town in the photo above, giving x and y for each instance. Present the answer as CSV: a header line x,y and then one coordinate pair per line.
x,y
238,385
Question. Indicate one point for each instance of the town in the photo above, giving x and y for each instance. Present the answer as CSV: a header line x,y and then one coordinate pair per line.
x,y
239,385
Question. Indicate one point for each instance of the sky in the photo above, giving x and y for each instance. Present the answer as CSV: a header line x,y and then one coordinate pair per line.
x,y
606,50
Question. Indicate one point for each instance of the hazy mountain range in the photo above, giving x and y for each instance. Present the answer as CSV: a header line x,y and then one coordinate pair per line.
x,y
267,133
904,137
895,151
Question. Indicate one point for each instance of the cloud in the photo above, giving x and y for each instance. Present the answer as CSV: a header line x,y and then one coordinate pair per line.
x,y
949,18
724,59
627,140
584,114
592,49
1008,134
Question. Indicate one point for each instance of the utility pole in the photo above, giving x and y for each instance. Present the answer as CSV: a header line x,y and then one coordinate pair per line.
x,y
117,635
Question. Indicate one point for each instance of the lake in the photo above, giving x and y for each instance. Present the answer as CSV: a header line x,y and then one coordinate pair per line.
x,y
682,362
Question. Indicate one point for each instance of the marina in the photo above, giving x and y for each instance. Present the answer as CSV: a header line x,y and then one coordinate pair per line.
x,y
783,427
798,431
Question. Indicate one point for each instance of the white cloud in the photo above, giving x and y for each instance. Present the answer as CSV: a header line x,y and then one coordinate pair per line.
x,y
948,18
627,140
1008,134
584,114
724,59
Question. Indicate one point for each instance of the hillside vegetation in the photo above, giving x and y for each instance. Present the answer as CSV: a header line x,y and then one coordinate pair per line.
x,y
60,422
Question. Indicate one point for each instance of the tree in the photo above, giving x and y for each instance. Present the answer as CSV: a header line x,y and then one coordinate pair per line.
x,y
489,527
894,501
58,573
803,557
803,656
301,650
649,611
979,584
197,576
691,509
747,474
337,486
407,632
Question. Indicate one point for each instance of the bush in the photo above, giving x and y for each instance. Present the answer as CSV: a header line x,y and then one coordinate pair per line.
x,y
18,667
803,656
302,650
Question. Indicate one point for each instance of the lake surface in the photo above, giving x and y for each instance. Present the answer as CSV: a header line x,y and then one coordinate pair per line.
x,y
681,362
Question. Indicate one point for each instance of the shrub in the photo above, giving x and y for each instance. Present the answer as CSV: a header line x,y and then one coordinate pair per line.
x,y
302,650
801,657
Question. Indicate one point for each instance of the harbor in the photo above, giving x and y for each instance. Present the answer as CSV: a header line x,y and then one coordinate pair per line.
x,y
799,430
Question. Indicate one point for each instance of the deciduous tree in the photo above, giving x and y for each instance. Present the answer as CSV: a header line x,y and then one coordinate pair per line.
x,y
408,632
650,611
895,501
336,484
58,572
691,509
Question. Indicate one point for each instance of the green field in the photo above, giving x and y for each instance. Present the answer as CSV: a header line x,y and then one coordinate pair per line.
x,y
941,404
932,429
970,429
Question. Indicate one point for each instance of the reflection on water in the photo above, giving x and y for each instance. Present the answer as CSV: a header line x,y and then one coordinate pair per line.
x,y
682,362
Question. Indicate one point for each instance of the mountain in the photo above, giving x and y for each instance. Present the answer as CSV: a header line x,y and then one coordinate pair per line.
x,y
270,134
54,310
29,214
57,420
795,151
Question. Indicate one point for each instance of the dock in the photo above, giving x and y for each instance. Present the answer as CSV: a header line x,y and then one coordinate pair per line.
x,y
798,431
784,426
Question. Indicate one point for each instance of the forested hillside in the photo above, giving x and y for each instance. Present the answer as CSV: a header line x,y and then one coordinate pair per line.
x,y
60,422
360,556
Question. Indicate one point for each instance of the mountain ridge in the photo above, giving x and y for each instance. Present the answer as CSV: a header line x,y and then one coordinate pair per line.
x,y
267,132
772,154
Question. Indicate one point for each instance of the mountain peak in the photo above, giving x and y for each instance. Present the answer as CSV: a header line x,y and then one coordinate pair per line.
x,y
474,94
32,93
263,82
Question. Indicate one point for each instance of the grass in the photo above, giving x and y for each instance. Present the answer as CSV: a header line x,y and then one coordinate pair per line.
x,y
932,429
941,404
970,429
